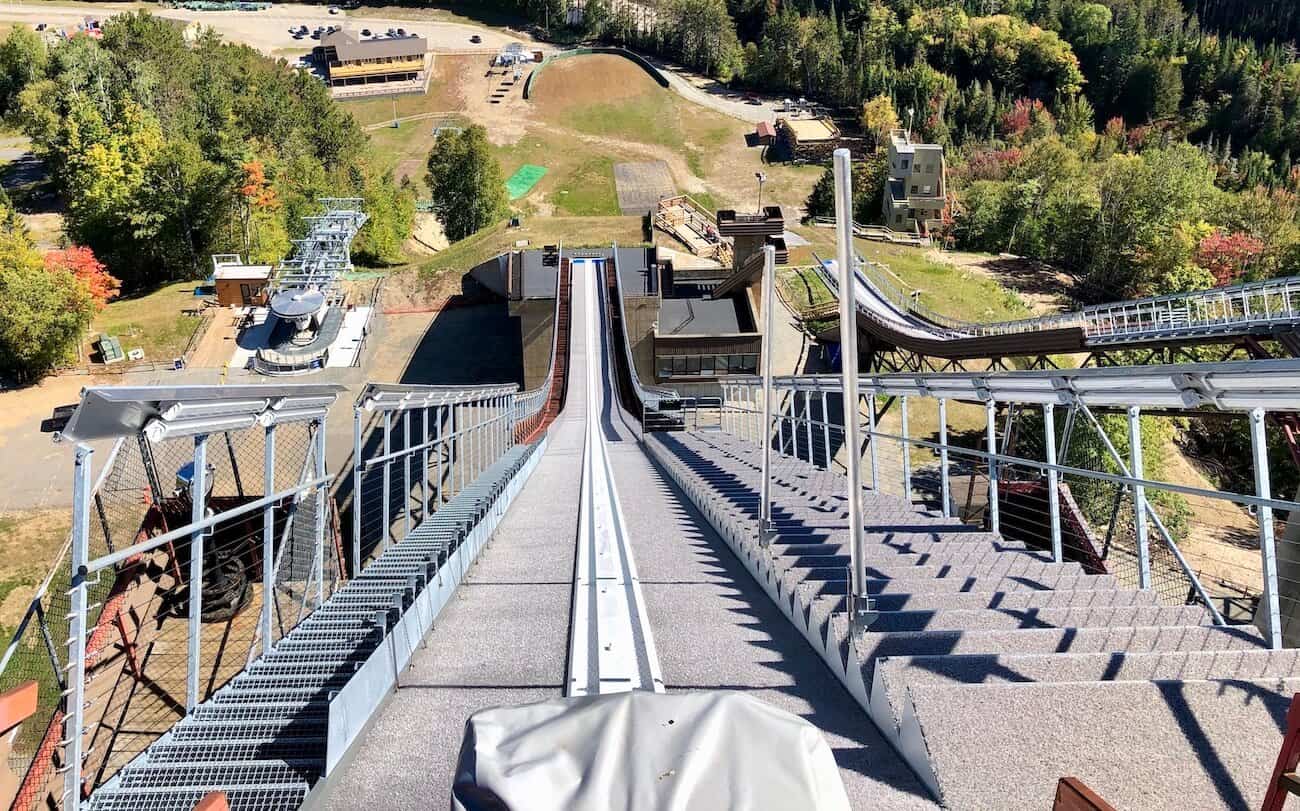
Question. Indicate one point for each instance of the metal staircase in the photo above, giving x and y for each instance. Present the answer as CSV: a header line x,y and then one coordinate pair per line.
x,y
263,738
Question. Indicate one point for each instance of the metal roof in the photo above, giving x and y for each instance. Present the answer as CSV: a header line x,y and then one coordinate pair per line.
x,y
634,272
350,49
702,316
114,411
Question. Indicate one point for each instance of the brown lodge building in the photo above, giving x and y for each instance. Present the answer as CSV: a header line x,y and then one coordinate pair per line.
x,y
350,61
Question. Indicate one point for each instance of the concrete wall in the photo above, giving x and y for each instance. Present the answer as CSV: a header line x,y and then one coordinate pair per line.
x,y
536,318
641,313
492,274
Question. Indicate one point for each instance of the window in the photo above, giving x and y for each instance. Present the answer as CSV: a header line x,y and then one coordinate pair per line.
x,y
693,365
898,218
665,367
706,366
905,161
927,190
679,365
913,188
246,292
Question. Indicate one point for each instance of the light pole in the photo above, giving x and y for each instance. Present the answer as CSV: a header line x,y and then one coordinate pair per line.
x,y
762,178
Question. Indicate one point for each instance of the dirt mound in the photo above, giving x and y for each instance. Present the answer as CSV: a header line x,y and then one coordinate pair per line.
x,y
580,81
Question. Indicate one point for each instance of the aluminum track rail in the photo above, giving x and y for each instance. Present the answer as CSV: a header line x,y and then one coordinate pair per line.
x,y
611,647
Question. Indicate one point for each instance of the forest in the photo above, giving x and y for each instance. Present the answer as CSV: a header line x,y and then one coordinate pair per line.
x,y
1144,146
164,152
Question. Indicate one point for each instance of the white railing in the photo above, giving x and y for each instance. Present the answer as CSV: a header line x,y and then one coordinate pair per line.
x,y
1084,492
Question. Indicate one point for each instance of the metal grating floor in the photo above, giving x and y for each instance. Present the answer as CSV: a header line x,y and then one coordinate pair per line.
x,y
262,738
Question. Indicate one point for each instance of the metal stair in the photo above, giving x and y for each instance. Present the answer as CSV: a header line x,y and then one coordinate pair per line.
x,y
991,669
262,737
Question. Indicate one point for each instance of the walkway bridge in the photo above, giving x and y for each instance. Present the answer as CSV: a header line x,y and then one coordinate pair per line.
x,y
1233,315
999,604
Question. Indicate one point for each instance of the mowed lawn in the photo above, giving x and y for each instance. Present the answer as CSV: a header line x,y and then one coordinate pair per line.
x,y
573,232
155,322
586,114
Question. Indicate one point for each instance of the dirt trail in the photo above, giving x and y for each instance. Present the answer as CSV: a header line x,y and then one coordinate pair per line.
x,y
1044,288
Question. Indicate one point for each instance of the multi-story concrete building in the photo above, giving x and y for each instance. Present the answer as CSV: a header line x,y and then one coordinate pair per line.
x,y
915,194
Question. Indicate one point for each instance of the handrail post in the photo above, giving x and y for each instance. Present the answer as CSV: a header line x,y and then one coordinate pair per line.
x,y
356,491
75,710
1139,497
945,486
1267,541
198,501
424,464
860,614
807,423
322,510
437,485
268,535
871,436
406,473
388,465
826,430
765,488
907,448
1053,481
991,441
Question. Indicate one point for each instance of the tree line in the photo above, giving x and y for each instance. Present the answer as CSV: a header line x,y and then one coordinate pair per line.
x,y
164,152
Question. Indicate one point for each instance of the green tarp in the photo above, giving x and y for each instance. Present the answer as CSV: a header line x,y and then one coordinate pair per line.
x,y
521,182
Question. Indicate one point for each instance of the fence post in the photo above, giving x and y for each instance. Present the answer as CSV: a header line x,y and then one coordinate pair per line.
x,y
75,714
322,511
198,500
907,448
991,440
1053,482
1267,542
356,491
268,535
945,486
1139,496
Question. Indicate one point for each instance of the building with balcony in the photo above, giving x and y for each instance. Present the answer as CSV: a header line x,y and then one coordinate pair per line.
x,y
388,63
915,193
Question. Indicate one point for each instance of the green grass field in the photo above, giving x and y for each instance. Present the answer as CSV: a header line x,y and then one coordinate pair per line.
x,y
946,289
573,232
153,322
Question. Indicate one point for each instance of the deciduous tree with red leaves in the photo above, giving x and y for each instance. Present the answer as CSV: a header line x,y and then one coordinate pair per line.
x,y
1228,255
80,261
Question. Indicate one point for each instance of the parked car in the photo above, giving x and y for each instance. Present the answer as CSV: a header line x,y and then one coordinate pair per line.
x,y
41,26
334,9
304,30
298,35
392,32
752,100
365,32
401,32
476,39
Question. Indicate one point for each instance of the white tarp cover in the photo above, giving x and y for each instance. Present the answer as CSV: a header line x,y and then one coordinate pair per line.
x,y
643,751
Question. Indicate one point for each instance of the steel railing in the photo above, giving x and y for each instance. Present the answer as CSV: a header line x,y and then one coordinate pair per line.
x,y
1087,492
528,405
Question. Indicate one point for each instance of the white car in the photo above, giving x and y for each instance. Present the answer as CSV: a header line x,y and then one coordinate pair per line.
x,y
334,9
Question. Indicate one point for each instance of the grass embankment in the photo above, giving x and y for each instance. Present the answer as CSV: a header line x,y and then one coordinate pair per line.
x,y
804,289
573,232
947,289
155,322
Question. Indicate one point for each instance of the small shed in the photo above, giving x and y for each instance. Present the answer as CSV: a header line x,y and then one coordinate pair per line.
x,y
765,133
241,285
